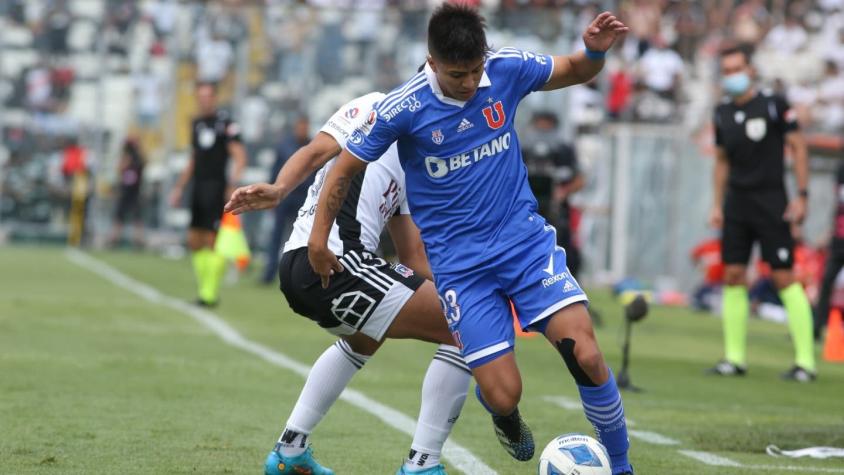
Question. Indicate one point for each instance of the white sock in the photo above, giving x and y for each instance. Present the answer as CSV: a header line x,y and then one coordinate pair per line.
x,y
329,376
443,394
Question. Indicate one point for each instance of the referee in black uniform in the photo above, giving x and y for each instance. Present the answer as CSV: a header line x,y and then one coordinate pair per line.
x,y
752,129
215,139
835,258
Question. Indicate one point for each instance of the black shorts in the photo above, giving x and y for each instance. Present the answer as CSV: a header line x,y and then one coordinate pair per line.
x,y
366,297
751,216
128,207
208,200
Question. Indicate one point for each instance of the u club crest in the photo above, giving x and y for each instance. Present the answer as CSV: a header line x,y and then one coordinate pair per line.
x,y
437,136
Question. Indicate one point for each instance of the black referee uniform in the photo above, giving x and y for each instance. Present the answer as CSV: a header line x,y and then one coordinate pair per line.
x,y
835,259
210,140
753,138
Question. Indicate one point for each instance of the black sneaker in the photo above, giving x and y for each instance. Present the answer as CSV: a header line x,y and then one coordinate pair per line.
x,y
725,368
515,436
206,303
799,374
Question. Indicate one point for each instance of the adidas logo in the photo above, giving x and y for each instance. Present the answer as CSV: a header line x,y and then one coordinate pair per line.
x,y
568,287
464,125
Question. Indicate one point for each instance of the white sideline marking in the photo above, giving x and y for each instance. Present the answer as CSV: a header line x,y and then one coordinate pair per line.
x,y
566,403
706,458
710,459
570,404
652,437
718,461
462,459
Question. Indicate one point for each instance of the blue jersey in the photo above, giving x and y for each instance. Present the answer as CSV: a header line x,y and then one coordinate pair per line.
x,y
467,185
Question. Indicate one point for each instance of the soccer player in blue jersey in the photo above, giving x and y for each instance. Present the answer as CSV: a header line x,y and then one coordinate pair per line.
x,y
468,192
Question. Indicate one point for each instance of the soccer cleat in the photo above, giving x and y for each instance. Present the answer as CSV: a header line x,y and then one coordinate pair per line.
x,y
438,470
515,436
303,464
205,303
799,374
725,368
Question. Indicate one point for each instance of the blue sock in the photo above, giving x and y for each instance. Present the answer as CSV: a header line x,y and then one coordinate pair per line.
x,y
603,408
481,400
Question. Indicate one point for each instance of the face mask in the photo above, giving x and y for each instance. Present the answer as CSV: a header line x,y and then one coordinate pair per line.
x,y
736,84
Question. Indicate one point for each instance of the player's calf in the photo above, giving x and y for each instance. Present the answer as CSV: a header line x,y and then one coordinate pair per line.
x,y
571,333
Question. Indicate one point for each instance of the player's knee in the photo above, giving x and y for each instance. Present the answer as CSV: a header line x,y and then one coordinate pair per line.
x,y
583,360
782,278
733,276
362,345
503,398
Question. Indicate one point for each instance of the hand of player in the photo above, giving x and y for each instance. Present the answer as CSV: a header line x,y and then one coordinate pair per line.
x,y
175,198
324,262
716,217
253,197
603,31
796,211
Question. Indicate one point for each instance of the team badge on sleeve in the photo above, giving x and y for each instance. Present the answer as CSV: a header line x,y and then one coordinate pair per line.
x,y
437,136
402,270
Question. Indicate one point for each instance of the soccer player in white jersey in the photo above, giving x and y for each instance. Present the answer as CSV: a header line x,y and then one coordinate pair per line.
x,y
372,301
468,192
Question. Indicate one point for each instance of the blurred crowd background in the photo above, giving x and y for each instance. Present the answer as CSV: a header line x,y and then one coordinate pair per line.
x,y
104,89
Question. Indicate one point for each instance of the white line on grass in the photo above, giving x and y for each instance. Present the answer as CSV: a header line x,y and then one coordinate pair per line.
x,y
719,461
706,458
710,459
652,437
462,459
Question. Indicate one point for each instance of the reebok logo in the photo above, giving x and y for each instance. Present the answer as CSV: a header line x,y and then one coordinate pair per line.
x,y
464,125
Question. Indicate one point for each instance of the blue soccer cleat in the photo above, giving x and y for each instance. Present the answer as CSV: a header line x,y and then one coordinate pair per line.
x,y
303,464
438,470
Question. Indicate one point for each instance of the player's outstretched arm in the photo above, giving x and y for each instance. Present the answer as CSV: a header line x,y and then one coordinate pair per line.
x,y
582,66
331,198
719,183
796,143
408,243
296,169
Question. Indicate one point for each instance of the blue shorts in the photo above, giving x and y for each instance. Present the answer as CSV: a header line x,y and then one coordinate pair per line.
x,y
532,275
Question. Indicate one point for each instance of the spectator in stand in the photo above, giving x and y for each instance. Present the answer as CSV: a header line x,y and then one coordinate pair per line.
x,y
787,38
829,111
642,16
690,25
661,69
130,173
834,50
39,88
286,212
750,21
55,27
148,97
214,56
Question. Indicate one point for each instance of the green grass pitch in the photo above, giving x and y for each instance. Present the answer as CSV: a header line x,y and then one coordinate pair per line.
x,y
95,379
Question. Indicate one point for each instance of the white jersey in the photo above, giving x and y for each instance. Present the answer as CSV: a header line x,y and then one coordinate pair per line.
x,y
375,195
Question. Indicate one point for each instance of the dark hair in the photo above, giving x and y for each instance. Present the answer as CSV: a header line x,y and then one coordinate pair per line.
x,y
456,34
744,49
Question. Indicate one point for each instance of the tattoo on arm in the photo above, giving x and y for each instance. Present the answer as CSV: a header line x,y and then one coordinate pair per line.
x,y
337,195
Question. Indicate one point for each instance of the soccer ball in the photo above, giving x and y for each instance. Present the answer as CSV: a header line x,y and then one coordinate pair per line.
x,y
574,454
